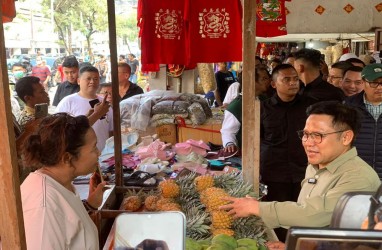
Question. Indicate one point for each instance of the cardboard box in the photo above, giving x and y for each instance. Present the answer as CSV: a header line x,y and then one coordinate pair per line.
x,y
167,133
206,133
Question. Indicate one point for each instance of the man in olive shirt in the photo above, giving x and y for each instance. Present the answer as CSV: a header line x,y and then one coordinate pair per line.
x,y
334,169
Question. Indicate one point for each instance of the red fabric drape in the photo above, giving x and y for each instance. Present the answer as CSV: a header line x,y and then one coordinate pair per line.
x,y
214,30
9,10
162,31
270,18
186,32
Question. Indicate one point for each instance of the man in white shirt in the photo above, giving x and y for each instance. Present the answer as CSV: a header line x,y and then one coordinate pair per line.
x,y
78,104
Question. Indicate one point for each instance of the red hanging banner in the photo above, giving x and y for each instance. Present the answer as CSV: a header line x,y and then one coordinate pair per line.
x,y
162,31
8,9
270,18
214,30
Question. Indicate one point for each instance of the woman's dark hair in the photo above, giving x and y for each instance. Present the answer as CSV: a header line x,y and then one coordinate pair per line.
x,y
56,135
344,117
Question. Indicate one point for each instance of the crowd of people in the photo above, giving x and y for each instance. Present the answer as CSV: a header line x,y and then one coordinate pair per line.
x,y
319,139
297,84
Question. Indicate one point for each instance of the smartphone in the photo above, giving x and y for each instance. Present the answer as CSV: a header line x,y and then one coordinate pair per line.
x,y
156,230
99,176
93,102
41,110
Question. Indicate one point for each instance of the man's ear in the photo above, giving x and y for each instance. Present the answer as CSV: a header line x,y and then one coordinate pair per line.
x,y
273,84
347,138
300,68
27,98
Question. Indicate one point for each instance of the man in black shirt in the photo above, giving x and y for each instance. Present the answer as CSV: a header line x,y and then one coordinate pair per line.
x,y
283,160
224,79
307,64
70,86
126,88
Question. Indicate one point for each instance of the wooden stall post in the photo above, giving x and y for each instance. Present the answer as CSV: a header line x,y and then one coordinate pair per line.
x,y
12,224
251,109
115,92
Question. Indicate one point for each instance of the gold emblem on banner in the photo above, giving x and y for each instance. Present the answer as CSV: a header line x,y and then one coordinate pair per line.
x,y
169,24
214,23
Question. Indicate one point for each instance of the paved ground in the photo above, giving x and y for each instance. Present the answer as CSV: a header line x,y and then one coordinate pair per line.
x,y
52,92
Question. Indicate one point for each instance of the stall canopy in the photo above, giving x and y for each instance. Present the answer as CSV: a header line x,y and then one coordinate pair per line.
x,y
329,20
9,10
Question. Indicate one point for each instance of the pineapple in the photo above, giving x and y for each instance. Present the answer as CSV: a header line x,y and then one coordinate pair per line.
x,y
212,198
172,206
217,231
203,182
169,189
151,202
132,203
163,201
198,221
221,219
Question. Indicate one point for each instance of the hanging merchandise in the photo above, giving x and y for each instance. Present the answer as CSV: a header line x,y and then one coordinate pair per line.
x,y
175,70
270,18
214,30
9,10
162,31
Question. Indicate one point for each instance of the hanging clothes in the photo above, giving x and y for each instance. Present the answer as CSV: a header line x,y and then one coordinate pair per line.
x,y
9,10
270,18
162,31
214,30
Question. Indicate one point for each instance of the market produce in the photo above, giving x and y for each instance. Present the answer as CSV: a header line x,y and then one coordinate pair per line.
x,y
226,231
169,189
223,238
213,198
204,219
203,182
151,202
132,203
171,206
223,242
221,219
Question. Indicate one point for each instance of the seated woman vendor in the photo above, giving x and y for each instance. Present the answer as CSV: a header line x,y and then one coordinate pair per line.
x,y
231,127
63,147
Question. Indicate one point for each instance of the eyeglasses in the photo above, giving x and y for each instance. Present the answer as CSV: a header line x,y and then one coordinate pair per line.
x,y
348,82
374,84
315,136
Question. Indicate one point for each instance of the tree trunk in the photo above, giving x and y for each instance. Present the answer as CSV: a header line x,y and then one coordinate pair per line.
x,y
70,49
90,51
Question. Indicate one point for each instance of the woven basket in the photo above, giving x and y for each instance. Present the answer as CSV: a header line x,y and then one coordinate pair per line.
x,y
207,77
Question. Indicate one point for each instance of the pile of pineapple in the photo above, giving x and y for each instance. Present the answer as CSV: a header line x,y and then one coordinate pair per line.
x,y
199,198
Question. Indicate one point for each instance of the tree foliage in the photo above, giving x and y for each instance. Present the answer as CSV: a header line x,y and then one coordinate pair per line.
x,y
127,27
85,16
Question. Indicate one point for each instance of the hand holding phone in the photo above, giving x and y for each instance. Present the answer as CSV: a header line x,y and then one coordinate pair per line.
x,y
41,110
93,104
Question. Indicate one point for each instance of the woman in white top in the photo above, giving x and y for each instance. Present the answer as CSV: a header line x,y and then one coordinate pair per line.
x,y
64,147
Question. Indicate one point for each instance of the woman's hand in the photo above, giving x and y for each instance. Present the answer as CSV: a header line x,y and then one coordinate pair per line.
x,y
231,148
275,245
241,207
96,190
